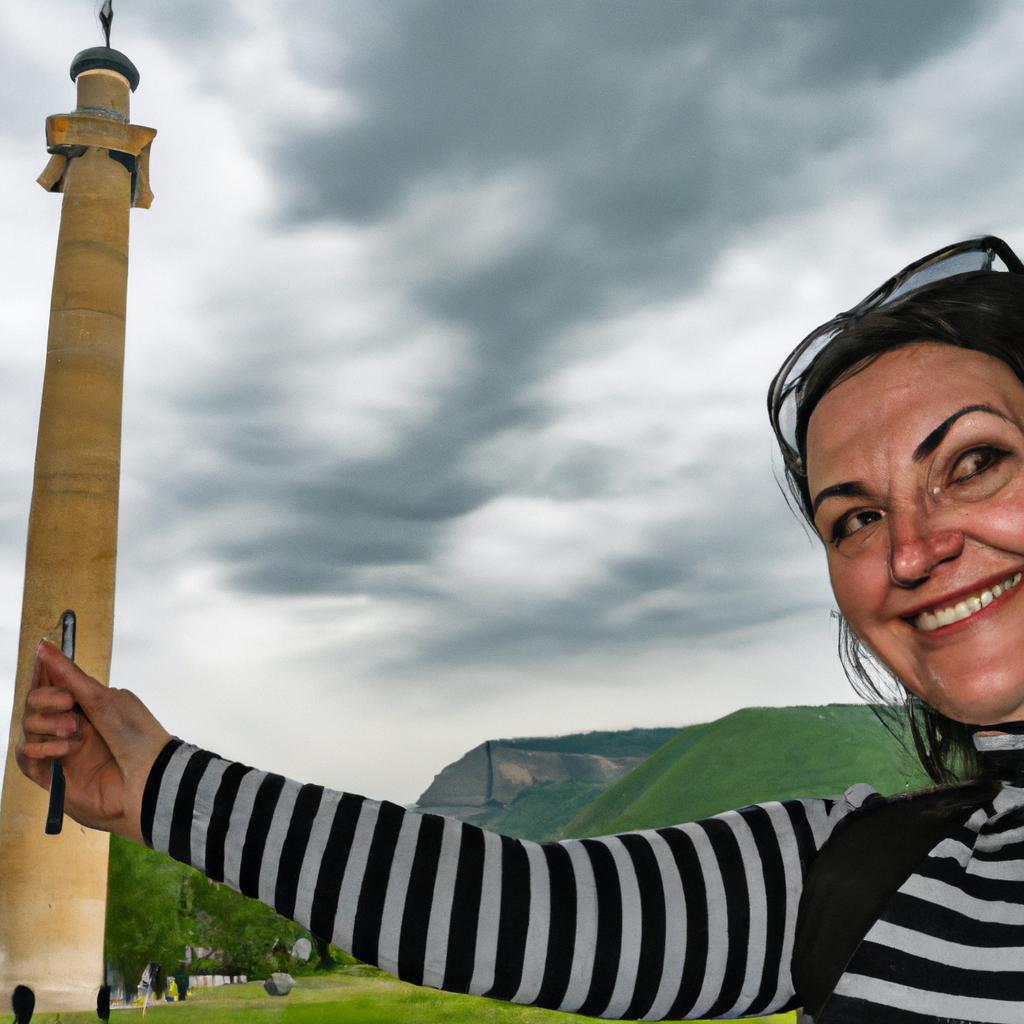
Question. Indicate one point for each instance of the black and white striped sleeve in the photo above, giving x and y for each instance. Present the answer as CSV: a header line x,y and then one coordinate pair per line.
x,y
692,921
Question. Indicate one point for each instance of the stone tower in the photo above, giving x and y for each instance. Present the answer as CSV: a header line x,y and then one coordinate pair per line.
x,y
53,887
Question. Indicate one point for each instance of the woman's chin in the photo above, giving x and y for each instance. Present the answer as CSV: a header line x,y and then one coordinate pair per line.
x,y
979,702
979,684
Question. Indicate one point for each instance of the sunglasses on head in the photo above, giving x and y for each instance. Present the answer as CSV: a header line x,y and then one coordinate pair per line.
x,y
984,253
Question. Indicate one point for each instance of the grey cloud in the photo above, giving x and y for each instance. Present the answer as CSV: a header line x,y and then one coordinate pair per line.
x,y
735,563
623,100
659,131
26,119
316,522
380,510
531,632
876,37
317,555
197,24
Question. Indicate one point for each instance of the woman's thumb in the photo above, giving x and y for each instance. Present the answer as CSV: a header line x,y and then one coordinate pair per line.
x,y
54,669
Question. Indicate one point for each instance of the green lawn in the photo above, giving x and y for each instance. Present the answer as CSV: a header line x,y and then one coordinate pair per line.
x,y
336,999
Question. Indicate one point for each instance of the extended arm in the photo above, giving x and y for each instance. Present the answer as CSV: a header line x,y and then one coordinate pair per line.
x,y
691,921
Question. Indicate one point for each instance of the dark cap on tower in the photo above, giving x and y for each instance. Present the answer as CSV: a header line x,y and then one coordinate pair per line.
x,y
103,57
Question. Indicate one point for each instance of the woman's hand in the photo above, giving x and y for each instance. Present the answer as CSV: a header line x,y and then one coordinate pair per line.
x,y
107,740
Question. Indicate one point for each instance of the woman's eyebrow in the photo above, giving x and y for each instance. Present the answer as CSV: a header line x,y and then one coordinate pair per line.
x,y
934,439
855,489
850,489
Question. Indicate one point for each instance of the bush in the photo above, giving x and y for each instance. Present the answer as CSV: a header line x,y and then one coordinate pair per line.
x,y
157,906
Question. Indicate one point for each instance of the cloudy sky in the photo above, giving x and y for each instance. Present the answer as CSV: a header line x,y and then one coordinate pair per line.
x,y
449,331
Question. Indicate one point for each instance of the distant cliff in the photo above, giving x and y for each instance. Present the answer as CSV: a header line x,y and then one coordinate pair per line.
x,y
601,783
487,780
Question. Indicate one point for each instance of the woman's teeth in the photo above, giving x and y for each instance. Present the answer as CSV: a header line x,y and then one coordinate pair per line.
x,y
964,609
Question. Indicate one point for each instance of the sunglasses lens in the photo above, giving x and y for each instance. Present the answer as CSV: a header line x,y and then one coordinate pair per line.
x,y
949,266
977,254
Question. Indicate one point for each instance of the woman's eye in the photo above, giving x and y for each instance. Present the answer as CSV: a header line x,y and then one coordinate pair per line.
x,y
849,524
975,462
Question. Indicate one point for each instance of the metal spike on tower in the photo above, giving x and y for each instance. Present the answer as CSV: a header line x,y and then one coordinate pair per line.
x,y
53,887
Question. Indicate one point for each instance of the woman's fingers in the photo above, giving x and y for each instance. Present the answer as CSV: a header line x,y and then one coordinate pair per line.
x,y
49,698
49,708
55,670
63,725
61,681
34,757
114,714
36,769
106,770
108,739
39,750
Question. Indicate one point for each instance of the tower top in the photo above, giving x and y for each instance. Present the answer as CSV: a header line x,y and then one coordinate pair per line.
x,y
103,57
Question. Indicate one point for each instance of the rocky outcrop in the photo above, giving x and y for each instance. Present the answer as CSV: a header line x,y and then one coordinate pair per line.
x,y
493,774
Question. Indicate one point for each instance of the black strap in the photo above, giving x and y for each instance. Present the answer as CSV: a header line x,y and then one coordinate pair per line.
x,y
866,859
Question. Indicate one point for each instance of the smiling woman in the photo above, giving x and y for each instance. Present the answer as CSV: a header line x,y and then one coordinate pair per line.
x,y
901,424
925,533
903,448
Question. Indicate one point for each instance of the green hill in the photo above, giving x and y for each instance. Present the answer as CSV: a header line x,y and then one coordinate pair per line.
x,y
606,743
531,786
750,756
542,811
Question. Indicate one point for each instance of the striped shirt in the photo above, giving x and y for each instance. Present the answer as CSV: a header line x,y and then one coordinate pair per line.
x,y
692,921
949,945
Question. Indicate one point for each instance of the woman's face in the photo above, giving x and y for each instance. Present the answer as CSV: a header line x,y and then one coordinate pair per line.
x,y
916,468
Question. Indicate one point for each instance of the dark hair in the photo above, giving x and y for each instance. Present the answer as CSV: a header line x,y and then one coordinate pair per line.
x,y
982,311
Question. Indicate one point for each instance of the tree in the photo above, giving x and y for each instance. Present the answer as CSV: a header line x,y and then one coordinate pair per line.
x,y
242,932
157,906
144,920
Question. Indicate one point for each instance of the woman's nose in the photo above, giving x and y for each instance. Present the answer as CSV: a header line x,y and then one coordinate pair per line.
x,y
916,548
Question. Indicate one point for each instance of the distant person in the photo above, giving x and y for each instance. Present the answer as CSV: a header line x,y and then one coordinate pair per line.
x,y
148,983
182,982
901,424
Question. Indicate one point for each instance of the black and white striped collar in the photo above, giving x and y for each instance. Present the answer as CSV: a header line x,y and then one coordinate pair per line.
x,y
1005,736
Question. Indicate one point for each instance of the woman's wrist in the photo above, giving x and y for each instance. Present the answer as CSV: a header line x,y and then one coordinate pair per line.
x,y
151,790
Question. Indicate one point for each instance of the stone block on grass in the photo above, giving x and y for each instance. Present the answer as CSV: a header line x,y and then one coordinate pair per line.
x,y
279,984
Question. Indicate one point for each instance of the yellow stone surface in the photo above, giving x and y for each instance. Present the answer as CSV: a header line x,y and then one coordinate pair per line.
x,y
53,888
100,89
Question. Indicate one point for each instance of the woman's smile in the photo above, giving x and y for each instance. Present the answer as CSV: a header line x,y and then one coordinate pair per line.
x,y
916,471
961,607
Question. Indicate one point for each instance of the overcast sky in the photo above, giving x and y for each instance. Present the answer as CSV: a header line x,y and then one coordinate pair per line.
x,y
448,336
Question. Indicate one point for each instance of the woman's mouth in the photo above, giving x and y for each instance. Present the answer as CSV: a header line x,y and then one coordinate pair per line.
x,y
934,618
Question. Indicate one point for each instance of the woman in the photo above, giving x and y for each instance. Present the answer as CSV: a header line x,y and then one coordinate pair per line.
x,y
902,428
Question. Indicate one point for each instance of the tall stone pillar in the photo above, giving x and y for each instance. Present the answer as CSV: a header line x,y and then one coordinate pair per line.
x,y
53,888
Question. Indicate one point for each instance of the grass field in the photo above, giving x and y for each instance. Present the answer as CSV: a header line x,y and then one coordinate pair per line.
x,y
752,755
336,999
